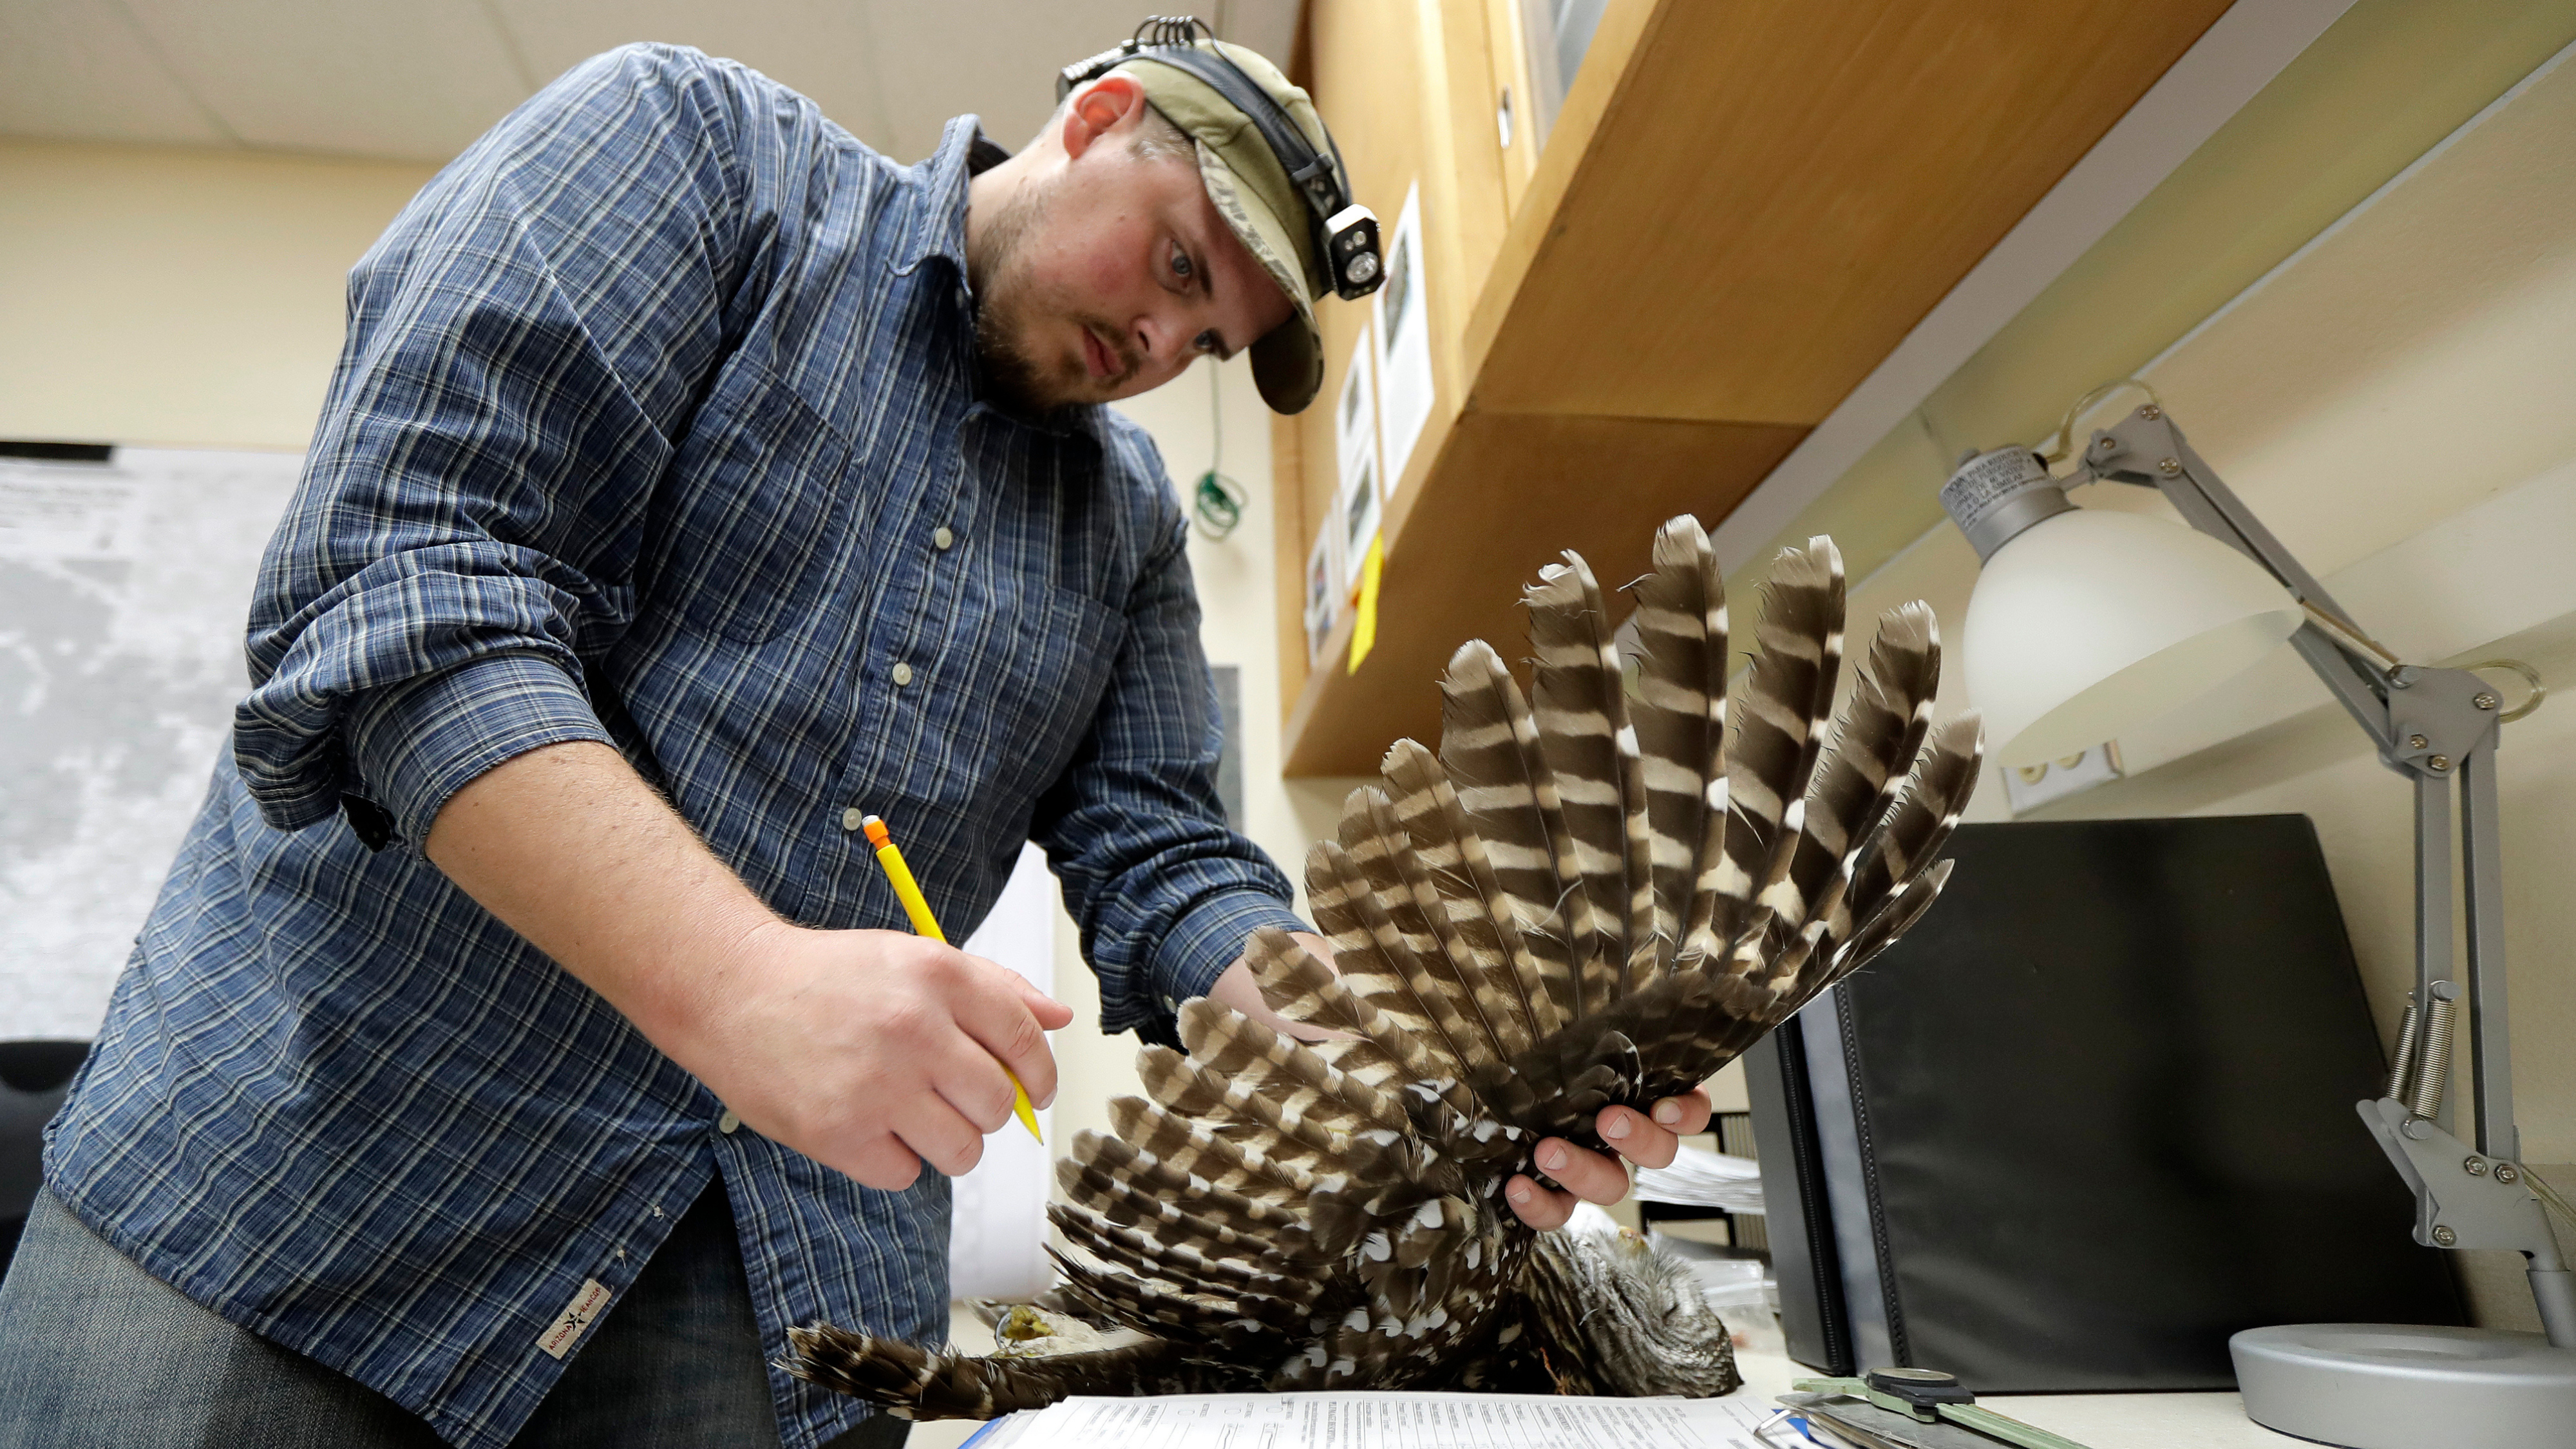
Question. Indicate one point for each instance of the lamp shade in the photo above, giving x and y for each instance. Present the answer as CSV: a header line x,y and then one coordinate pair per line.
x,y
2091,621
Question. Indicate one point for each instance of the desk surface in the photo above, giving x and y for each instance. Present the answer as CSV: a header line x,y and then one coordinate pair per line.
x,y
2097,1421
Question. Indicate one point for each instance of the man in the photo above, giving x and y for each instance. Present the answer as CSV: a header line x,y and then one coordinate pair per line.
x,y
525,1037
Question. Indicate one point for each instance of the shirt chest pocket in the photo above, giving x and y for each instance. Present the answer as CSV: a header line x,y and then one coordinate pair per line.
x,y
1058,651
758,476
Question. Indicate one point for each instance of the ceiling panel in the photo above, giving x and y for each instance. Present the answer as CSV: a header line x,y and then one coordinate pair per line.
x,y
824,50
419,79
77,70
411,79
932,72
998,58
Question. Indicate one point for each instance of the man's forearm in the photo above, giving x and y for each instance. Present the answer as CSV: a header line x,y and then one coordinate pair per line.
x,y
572,849
868,1051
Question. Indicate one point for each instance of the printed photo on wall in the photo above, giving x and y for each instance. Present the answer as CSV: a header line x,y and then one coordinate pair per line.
x,y
1323,591
1359,499
1359,525
1404,390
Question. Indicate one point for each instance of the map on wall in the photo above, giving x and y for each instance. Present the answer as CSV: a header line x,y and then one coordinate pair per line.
x,y
123,589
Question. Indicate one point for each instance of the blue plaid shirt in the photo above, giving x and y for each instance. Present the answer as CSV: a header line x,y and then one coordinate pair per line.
x,y
656,425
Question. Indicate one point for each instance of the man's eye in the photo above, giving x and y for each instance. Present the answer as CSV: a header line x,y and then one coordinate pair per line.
x,y
1208,341
1181,265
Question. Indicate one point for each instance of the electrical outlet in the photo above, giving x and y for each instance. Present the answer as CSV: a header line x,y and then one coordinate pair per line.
x,y
2027,787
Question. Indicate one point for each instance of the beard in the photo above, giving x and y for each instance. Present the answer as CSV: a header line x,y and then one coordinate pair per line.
x,y
1011,301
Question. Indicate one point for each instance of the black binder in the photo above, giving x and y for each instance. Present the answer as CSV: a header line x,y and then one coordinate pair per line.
x,y
2093,1115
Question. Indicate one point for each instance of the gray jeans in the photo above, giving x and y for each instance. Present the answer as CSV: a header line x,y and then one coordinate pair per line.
x,y
95,1353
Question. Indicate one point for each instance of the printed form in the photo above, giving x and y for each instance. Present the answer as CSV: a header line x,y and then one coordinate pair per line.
x,y
1385,1421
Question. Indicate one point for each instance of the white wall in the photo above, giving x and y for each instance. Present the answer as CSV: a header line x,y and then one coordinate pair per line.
x,y
191,298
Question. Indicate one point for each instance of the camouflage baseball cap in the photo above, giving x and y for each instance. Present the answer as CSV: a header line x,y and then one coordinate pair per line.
x,y
1252,192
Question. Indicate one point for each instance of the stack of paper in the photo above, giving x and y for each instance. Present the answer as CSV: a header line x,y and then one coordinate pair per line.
x,y
1732,1284
1383,1421
1700,1178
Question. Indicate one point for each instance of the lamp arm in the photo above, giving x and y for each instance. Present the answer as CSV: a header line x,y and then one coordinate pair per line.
x,y
2145,448
2434,726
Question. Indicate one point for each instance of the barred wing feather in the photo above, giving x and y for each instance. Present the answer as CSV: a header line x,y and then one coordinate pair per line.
x,y
1600,889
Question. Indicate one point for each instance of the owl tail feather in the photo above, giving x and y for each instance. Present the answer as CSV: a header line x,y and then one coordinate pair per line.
x,y
910,1382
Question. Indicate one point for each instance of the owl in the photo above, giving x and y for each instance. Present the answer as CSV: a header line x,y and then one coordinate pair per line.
x,y
1605,885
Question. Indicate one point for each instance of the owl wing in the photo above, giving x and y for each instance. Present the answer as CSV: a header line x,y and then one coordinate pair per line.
x,y
1599,890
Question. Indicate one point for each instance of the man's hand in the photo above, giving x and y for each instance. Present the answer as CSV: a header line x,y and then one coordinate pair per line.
x,y
868,1051
871,1051
1647,1140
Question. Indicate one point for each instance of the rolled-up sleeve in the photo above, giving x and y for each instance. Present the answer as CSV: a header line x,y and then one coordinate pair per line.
x,y
1164,891
424,739
525,343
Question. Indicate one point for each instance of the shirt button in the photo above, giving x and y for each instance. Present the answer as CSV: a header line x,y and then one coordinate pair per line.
x,y
942,537
903,674
853,818
728,1122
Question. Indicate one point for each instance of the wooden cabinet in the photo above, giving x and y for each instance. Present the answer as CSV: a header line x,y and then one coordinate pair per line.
x,y
1740,208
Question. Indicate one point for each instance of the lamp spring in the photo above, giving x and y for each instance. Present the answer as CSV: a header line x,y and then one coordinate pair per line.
x,y
2403,1059
2433,1071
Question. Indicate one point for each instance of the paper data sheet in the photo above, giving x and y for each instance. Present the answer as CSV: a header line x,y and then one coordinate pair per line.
x,y
1388,1421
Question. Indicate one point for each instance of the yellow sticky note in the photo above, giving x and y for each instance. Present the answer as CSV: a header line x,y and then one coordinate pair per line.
x,y
1364,621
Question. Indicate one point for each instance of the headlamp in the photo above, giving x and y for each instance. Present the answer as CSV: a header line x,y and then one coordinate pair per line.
x,y
1351,252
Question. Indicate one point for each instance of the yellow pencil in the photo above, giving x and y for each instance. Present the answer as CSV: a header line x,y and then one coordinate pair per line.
x,y
908,890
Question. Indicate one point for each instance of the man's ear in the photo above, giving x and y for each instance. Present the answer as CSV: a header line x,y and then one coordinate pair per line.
x,y
1100,108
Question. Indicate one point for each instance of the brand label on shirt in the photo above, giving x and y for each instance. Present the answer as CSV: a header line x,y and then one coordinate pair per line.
x,y
577,1315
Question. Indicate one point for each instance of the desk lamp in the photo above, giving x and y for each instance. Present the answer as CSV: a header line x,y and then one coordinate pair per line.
x,y
2086,621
